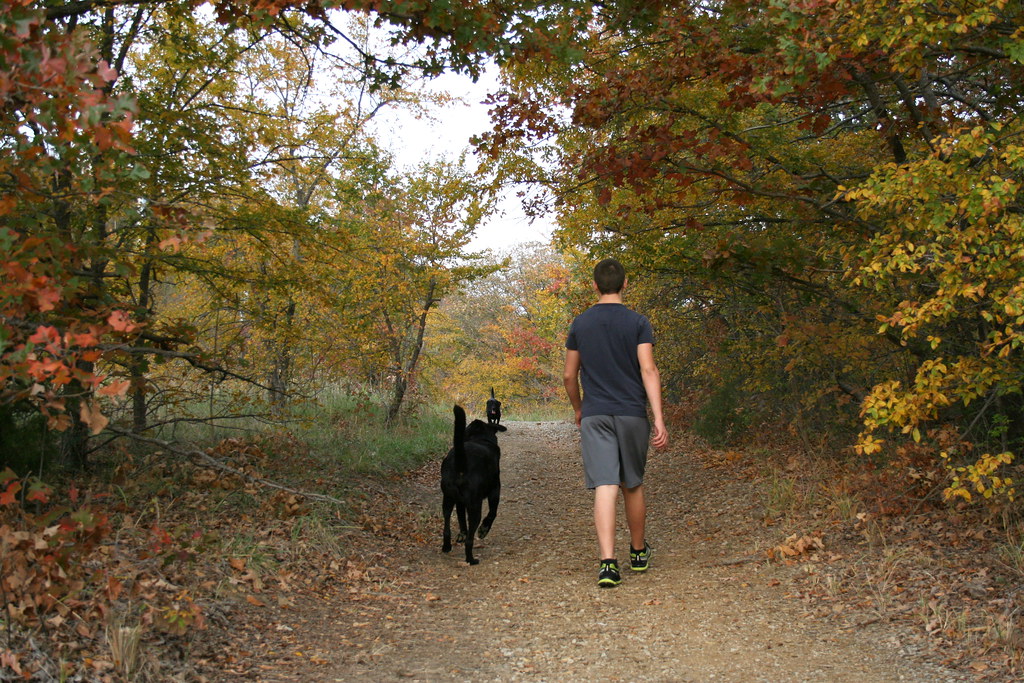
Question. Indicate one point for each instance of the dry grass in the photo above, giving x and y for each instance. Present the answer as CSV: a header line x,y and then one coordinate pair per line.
x,y
125,648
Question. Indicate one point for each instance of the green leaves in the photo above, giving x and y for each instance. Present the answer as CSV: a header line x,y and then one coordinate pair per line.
x,y
805,171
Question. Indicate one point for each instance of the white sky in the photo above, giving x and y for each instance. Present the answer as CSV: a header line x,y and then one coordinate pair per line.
x,y
445,135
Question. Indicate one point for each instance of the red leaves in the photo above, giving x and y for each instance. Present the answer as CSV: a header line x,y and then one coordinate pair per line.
x,y
54,81
47,357
120,322
47,298
8,496
48,336
106,73
115,388
38,492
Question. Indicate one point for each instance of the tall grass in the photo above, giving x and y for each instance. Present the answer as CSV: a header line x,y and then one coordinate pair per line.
x,y
344,427
349,430
338,428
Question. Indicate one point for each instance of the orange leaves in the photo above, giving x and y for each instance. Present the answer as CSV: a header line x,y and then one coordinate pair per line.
x,y
119,321
90,415
114,388
47,335
51,325
47,298
797,547
54,360
9,487
172,243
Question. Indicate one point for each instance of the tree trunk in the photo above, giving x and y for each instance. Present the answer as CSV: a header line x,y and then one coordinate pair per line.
x,y
140,365
405,371
278,379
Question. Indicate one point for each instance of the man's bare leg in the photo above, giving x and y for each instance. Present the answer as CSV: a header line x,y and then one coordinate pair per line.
x,y
605,499
636,515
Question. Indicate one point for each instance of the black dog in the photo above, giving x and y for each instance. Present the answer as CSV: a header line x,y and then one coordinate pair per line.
x,y
493,409
469,473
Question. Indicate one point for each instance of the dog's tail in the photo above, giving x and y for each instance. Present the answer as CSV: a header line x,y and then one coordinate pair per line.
x,y
492,392
458,443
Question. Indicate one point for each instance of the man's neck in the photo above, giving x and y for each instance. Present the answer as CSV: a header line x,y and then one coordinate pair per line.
x,y
610,298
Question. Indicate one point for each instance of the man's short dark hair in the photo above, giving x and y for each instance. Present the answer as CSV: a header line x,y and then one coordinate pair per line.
x,y
609,276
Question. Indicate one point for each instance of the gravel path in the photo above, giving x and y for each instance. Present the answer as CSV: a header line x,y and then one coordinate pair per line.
x,y
709,609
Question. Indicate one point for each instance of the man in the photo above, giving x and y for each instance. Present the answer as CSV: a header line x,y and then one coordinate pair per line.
x,y
610,349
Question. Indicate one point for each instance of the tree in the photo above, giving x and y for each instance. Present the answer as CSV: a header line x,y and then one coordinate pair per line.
x,y
796,174
506,332
409,251
110,254
66,146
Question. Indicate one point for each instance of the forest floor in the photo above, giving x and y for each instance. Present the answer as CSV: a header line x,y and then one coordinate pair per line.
x,y
714,606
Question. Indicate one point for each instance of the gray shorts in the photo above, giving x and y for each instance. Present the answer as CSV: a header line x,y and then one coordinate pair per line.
x,y
614,449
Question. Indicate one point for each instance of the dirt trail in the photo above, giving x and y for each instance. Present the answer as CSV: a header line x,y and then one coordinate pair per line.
x,y
710,608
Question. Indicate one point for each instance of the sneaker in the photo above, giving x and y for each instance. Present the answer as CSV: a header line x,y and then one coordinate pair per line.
x,y
640,560
609,576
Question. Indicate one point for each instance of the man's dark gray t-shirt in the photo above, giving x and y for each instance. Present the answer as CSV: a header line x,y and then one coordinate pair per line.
x,y
606,337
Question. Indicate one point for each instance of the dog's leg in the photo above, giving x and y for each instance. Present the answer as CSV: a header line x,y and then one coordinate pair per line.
x,y
492,511
475,509
446,508
460,510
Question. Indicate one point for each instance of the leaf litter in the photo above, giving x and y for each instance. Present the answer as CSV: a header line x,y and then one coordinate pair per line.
x,y
735,592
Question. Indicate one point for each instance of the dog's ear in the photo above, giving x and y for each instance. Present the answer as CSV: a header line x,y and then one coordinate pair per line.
x,y
500,428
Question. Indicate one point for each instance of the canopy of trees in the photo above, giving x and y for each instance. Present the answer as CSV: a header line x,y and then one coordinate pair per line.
x,y
824,199
194,206
819,202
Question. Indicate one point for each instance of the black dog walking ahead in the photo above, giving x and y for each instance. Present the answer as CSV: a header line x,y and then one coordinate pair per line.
x,y
493,409
469,473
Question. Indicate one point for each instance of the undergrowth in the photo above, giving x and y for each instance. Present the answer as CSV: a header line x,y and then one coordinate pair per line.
x,y
877,539
113,574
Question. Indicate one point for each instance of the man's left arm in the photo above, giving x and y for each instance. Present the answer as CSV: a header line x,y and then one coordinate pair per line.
x,y
571,380
652,387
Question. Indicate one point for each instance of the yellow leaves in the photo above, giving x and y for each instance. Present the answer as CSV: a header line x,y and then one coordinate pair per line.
x,y
979,477
868,445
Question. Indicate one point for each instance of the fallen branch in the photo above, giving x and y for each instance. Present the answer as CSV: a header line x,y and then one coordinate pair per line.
x,y
205,460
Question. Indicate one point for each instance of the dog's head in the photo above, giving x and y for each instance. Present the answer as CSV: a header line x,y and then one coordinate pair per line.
x,y
478,429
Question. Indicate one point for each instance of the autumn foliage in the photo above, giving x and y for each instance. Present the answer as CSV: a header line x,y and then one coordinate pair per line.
x,y
823,198
818,202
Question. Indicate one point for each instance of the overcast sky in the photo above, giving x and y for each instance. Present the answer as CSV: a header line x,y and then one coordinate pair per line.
x,y
413,140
